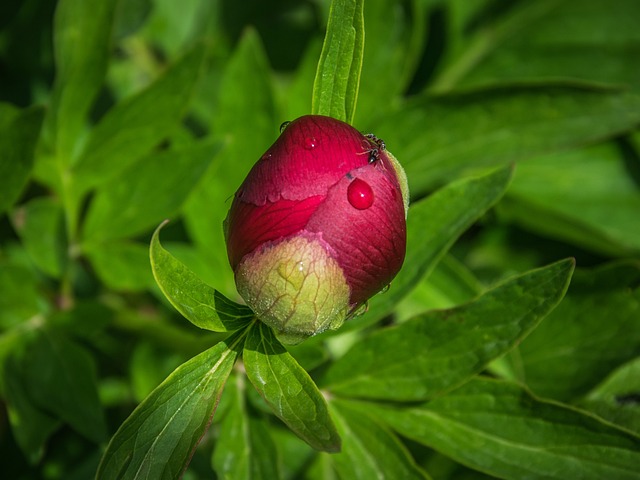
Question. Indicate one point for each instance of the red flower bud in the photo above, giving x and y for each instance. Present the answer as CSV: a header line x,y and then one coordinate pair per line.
x,y
317,227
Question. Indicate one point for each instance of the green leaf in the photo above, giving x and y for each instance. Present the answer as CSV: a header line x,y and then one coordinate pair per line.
x,y
19,130
244,448
199,303
137,124
146,192
40,224
594,330
57,378
499,126
396,39
160,436
585,196
289,390
433,225
500,429
566,40
335,90
369,449
440,350
616,398
21,299
121,265
82,44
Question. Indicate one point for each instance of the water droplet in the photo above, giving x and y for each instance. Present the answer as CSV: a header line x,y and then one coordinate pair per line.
x,y
361,310
266,156
360,194
310,143
284,125
386,288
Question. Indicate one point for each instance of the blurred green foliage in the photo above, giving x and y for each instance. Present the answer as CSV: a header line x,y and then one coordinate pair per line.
x,y
115,115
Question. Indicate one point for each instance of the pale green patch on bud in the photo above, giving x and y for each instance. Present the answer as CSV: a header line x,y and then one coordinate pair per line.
x,y
295,287
402,180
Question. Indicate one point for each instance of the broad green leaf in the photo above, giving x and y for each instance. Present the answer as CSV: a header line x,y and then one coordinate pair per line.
x,y
244,448
433,225
146,192
137,124
246,119
19,130
439,350
40,224
585,196
58,378
121,265
369,449
500,429
440,138
335,90
82,44
199,303
289,390
594,330
160,436
593,40
616,398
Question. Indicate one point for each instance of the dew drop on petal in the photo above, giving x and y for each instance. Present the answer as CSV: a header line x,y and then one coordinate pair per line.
x,y
283,126
361,310
386,288
360,194
310,143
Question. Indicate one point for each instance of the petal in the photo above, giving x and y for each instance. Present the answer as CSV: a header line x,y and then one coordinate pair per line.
x,y
250,226
369,245
311,155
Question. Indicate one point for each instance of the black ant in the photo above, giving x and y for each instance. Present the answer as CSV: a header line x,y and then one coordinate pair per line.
x,y
378,146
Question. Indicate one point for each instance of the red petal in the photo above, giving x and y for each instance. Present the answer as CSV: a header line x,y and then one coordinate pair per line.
x,y
369,244
311,155
250,226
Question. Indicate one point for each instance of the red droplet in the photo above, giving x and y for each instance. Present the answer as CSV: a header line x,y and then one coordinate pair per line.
x,y
360,194
310,143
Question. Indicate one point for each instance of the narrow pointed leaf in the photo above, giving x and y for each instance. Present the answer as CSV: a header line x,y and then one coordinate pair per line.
x,y
289,390
433,225
500,429
201,304
335,90
369,450
440,350
160,436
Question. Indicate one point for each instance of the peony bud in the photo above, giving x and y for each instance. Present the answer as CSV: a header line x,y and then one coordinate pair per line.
x,y
317,227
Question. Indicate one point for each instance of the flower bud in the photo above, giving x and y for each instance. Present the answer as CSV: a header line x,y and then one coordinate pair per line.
x,y
317,227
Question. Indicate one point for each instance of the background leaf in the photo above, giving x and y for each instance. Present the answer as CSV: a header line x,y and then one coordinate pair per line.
x,y
335,89
574,349
145,193
369,449
288,389
134,126
159,438
18,133
82,44
245,449
201,304
500,429
438,350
